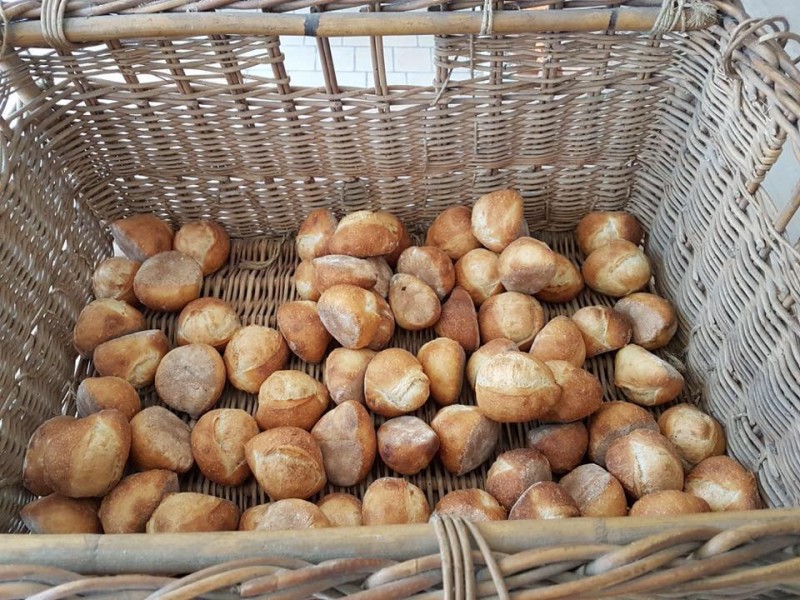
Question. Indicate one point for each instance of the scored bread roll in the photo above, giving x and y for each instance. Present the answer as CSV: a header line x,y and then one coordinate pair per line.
x,y
104,320
430,265
564,445
207,321
364,233
724,484
291,513
385,330
168,281
113,278
301,327
645,378
191,378
645,462
305,281
128,507
384,272
142,236
581,393
526,265
315,234
33,467
394,383
342,510
695,434
205,241
515,471
466,438
160,440
617,269
513,316
478,272
565,285
653,319
189,511
346,438
217,441
350,314
498,219
100,393
668,503
414,303
484,353
596,491
451,231
407,444
544,500
603,329
614,420
133,357
459,321
344,374
470,504
560,339
443,362
59,514
253,354
394,224
290,399
394,501
335,269
597,229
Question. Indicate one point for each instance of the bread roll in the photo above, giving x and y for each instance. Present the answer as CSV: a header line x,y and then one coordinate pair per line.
x,y
484,353
113,278
565,285
395,384
189,511
160,440
414,303
695,435
514,387
581,393
364,233
344,374
645,378
614,420
394,501
564,445
407,444
336,269
560,339
346,437
478,272
104,320
526,265
205,241
617,269
385,330
191,378
301,327
597,229
291,513
513,316
207,321
350,314
451,231
218,441
315,233
128,507
101,393
645,462
33,468
290,399
431,265
134,357
394,224
342,510
384,272
287,463
168,281
724,484
459,321
514,472
253,354
544,500
466,438
652,318
596,491
498,219
443,362
59,514
470,504
305,281
603,329
668,503
142,236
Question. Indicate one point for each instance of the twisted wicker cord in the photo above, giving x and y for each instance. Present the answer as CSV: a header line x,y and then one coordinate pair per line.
x,y
52,24
672,13
487,22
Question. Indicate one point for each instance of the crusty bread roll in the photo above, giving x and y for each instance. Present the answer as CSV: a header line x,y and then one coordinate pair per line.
x,y
443,361
514,387
290,399
393,223
191,378
581,393
560,339
645,378
207,321
668,503
287,463
291,513
603,329
188,511
100,393
218,441
142,236
544,500
128,507
394,383
431,265
617,269
301,327
346,437
205,241
160,440
394,501
498,219
596,491
451,231
59,514
33,468
613,420
342,510
653,319
470,504
315,234
168,281
350,314
466,438
597,229
565,285
336,269
724,484
514,472
113,278
644,462
384,272
459,321
478,272
134,357
253,354
484,353
305,281
344,374
385,330
407,444
564,445
104,320
414,303
364,233
695,434
526,265
513,316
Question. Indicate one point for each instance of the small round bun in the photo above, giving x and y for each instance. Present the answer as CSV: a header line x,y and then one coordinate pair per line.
x,y
395,384
645,378
581,393
466,438
451,231
498,219
617,269
59,514
133,357
207,321
364,233
565,285
514,472
301,327
315,233
191,378
34,467
342,510
253,354
526,265
484,353
597,229
189,512
564,445
603,329
290,399
305,281
160,440
102,393
350,314
384,272
218,441
205,241
346,437
459,321
392,223
431,265
513,316
113,278
596,491
104,320
478,272
168,281
291,513
443,362
128,507
652,318
407,444
344,374
560,339
336,269
142,236
386,325
724,484
668,503
544,500
394,501
470,504
614,420
645,462
414,303
695,434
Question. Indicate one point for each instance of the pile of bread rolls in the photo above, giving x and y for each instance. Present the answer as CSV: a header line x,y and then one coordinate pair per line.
x,y
478,284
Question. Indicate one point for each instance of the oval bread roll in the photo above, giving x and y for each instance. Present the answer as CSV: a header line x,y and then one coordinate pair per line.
x,y
113,278
407,444
430,265
443,362
134,357
695,434
645,378
205,241
544,500
168,281
218,441
565,285
104,320
560,339
724,484
290,399
645,462
384,272
596,491
189,511
291,513
392,223
314,235
470,504
128,507
253,354
459,321
614,420
603,329
653,319
597,229
142,236
346,437
101,393
668,503
385,330
344,374
305,281
33,468
484,353
617,269
301,327
414,303
451,231
350,314
394,501
207,321
336,269
395,384
513,316
160,440
498,219
581,393
514,472
342,510
364,233
478,272
59,514
466,438
191,378
526,265
564,445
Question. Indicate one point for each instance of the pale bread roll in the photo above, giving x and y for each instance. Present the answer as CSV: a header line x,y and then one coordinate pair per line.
x,y
668,503
471,504
290,399
301,327
645,462
459,321
168,281
526,265
565,285
305,281
695,434
653,319
478,272
134,357
596,491
564,444
104,320
364,233
451,231
484,353
498,219
513,316
466,437
395,224
645,378
344,374
291,513
346,437
560,339
205,241
142,236
613,420
191,378
544,500
342,510
253,354
603,329
581,393
384,272
100,393
407,444
160,440
189,511
315,233
350,314
430,265
218,441
617,269
395,384
597,229
33,468
59,514
515,471
128,507
394,501
724,484
207,321
113,278
336,269
386,325
443,361
414,303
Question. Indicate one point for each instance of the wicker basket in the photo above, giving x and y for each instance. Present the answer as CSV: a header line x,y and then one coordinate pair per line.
x,y
675,111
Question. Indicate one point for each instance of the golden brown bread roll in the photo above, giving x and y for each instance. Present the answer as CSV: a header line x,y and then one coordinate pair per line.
x,y
514,472
346,438
724,484
652,318
207,321
498,219
394,383
565,285
342,510
407,444
113,278
364,233
478,272
645,462
617,269
191,378
514,387
564,445
134,357
160,440
100,393
315,233
544,500
603,329
466,438
336,269
218,441
484,353
350,314
613,420
253,354
168,281
384,272
560,339
287,463
459,321
189,511
526,265
33,468
301,327
451,231
305,281
470,504
596,491
344,374
443,361
513,316
414,303
104,320
385,330
142,236
645,378
394,224
695,434
430,265
597,229
394,501
581,392
668,503
59,514
205,241
128,507
290,399
291,513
